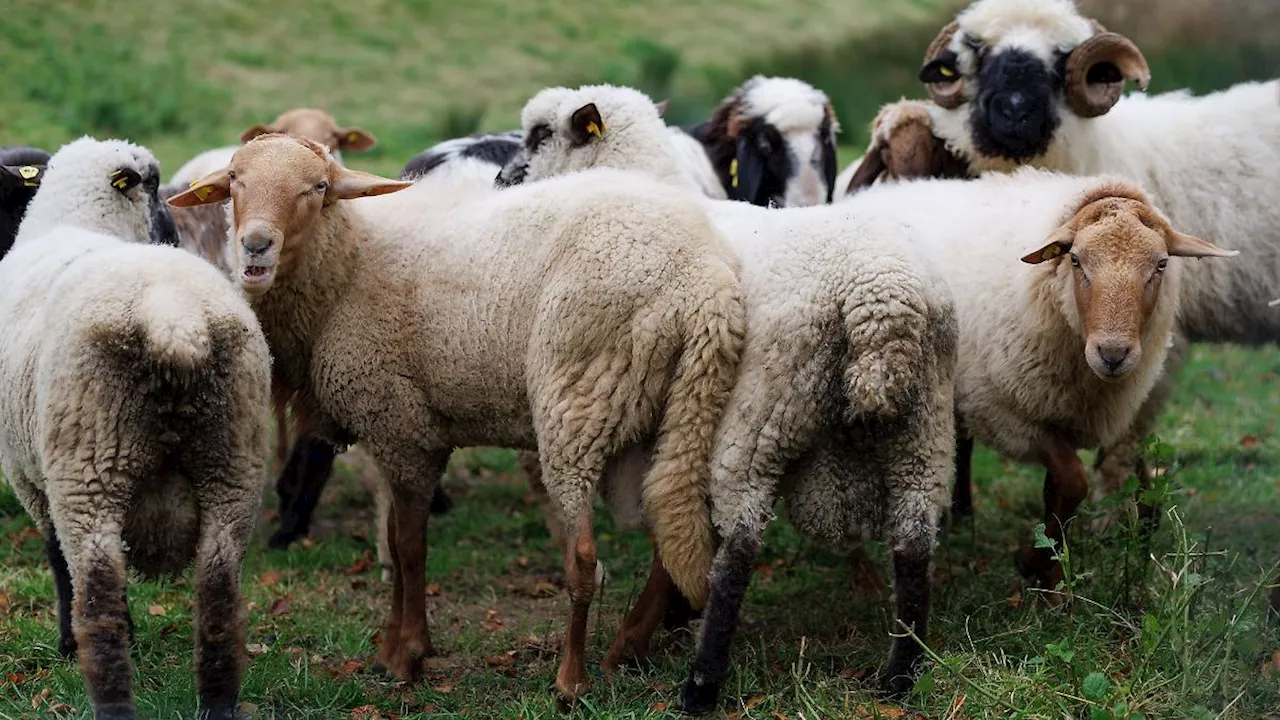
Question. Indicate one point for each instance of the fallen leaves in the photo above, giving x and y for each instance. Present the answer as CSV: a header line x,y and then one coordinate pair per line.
x,y
1015,600
362,563
753,701
1249,441
4,603
888,712
1272,666
269,578
443,688
659,707
433,590
505,659
156,610
280,606
256,649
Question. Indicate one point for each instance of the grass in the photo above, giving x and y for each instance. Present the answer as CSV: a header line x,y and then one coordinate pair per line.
x,y
1182,635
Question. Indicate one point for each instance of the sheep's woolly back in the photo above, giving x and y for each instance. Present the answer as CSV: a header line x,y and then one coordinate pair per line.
x,y
76,192
788,104
692,158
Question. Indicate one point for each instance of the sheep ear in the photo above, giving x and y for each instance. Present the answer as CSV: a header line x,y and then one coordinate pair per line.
x,y
355,139
17,176
125,179
351,184
1183,245
1059,243
255,131
662,107
211,188
586,123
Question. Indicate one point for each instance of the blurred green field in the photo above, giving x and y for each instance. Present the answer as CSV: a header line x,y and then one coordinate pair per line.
x,y
1180,633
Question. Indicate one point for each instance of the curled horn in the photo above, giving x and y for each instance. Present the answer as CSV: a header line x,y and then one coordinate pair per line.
x,y
947,95
1100,56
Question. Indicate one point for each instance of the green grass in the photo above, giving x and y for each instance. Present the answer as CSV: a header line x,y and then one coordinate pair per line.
x,y
1185,635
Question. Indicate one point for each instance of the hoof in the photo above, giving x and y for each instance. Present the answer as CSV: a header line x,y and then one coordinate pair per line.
x,y
282,539
696,699
896,687
567,701
67,647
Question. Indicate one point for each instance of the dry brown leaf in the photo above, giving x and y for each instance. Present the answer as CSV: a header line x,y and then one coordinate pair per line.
x,y
753,701
362,563
779,716
366,712
351,666
1249,441
280,606
39,698
505,659
861,673
659,707
4,603
15,678
443,688
269,578
1272,666
1015,600
523,561
433,590
61,707
156,610
256,649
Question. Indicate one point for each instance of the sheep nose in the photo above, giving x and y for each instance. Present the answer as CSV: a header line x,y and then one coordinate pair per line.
x,y
1013,106
257,240
1113,354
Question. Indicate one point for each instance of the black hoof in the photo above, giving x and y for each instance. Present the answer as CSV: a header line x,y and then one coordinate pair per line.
x,y
115,711
696,699
282,539
896,687
67,647
441,503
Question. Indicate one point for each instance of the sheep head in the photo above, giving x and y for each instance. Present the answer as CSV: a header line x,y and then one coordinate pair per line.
x,y
316,126
1112,252
279,185
773,142
1004,73
904,147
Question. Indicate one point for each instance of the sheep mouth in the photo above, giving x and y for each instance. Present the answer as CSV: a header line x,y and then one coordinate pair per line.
x,y
257,275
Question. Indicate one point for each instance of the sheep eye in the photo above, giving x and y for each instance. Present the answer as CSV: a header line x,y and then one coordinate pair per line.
x,y
537,135
322,186
1075,260
231,174
1160,266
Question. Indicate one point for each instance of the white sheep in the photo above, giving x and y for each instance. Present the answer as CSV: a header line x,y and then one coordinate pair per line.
x,y
1208,162
1061,350
132,418
843,401
902,147
310,123
580,317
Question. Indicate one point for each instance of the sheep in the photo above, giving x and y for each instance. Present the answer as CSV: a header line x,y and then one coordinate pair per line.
x,y
843,400
315,125
132,417
20,171
1017,82
903,147
475,154
584,318
1061,352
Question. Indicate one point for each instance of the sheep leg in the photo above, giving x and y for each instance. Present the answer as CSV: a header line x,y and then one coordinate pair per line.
x,y
382,511
412,510
866,576
1066,484
962,497
220,624
391,634
632,642
580,578
100,617
62,590
911,590
533,470
730,576
299,487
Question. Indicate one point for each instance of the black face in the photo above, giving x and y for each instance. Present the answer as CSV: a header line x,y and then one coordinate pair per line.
x,y
163,231
517,167
826,140
764,164
16,191
495,148
1014,115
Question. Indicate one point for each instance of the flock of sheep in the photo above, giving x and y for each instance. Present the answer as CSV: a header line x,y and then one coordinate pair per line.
x,y
583,290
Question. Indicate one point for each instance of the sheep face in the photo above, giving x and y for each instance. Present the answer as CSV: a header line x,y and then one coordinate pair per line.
x,y
317,126
20,171
279,185
773,142
1008,73
1111,255
903,147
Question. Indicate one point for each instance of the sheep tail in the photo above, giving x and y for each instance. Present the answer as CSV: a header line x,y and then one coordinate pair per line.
x,y
175,331
675,493
887,330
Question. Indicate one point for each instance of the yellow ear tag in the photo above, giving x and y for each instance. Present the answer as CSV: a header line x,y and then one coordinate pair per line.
x,y
595,129
27,172
120,183
203,192
733,172
946,71
352,137
1051,252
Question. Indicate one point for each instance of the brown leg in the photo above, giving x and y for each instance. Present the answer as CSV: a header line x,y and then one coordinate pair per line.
x,y
632,642
411,513
391,634
580,576
1066,484
866,576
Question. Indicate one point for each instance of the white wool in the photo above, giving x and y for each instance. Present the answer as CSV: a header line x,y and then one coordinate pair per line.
x,y
75,192
1038,26
788,104
692,158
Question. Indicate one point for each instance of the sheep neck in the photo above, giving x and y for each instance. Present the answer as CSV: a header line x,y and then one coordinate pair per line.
x,y
295,311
